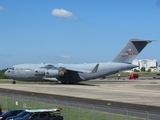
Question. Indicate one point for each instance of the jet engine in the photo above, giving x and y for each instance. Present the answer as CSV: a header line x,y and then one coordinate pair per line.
x,y
53,73
39,71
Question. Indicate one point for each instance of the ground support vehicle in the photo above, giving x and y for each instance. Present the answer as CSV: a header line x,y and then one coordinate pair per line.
x,y
133,76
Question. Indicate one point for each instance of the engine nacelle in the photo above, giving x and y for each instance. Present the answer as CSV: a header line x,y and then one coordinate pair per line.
x,y
39,71
53,73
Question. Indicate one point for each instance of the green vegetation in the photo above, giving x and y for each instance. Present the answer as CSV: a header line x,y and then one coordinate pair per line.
x,y
143,69
2,75
68,112
5,81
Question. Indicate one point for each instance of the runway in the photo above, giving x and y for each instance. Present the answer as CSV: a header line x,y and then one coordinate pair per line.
x,y
136,92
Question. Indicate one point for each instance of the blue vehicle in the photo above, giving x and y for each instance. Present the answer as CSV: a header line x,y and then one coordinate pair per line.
x,y
9,113
42,114
21,114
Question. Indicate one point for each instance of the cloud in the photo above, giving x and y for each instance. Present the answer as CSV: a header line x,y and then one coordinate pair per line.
x,y
66,56
2,8
62,13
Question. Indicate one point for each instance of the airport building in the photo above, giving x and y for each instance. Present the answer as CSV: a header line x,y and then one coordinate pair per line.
x,y
149,64
158,69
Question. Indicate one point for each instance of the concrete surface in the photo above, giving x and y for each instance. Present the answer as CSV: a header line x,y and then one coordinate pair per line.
x,y
145,92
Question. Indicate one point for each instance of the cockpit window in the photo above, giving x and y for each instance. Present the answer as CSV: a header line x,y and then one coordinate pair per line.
x,y
11,68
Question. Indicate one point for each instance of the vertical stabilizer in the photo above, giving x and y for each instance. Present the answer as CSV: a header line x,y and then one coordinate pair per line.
x,y
131,50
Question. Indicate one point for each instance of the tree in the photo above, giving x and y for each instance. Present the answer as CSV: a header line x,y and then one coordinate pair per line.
x,y
149,70
143,69
2,75
135,70
153,67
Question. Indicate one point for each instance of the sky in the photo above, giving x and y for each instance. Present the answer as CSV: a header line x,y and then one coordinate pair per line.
x,y
75,31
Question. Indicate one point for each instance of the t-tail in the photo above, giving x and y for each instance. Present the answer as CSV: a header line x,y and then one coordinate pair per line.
x,y
131,50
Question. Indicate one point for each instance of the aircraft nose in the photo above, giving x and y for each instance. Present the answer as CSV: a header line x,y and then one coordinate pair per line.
x,y
6,73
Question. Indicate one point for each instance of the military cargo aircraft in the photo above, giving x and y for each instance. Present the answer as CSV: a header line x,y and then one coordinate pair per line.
x,y
72,73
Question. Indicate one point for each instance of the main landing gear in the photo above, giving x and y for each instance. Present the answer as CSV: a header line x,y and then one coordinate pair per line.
x,y
67,82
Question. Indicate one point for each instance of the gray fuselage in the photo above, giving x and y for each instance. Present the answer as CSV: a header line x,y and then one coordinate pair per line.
x,y
27,71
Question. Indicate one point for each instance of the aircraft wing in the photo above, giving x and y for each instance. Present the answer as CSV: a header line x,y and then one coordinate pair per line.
x,y
74,69
65,68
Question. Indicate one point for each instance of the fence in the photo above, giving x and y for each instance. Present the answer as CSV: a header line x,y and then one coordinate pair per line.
x,y
73,110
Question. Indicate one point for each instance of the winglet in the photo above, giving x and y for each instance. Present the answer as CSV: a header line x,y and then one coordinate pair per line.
x,y
95,69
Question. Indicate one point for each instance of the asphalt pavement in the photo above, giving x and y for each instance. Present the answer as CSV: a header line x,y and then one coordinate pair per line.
x,y
130,94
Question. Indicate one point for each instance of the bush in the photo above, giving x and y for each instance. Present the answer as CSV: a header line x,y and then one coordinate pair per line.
x,y
2,75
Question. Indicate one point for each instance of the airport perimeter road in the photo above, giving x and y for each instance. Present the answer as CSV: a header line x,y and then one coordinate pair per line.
x,y
145,92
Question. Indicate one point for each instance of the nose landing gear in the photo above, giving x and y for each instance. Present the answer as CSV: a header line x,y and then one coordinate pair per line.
x,y
13,82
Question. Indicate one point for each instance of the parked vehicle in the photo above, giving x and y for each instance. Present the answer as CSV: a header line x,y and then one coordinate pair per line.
x,y
9,113
157,77
21,114
42,114
0,110
158,74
